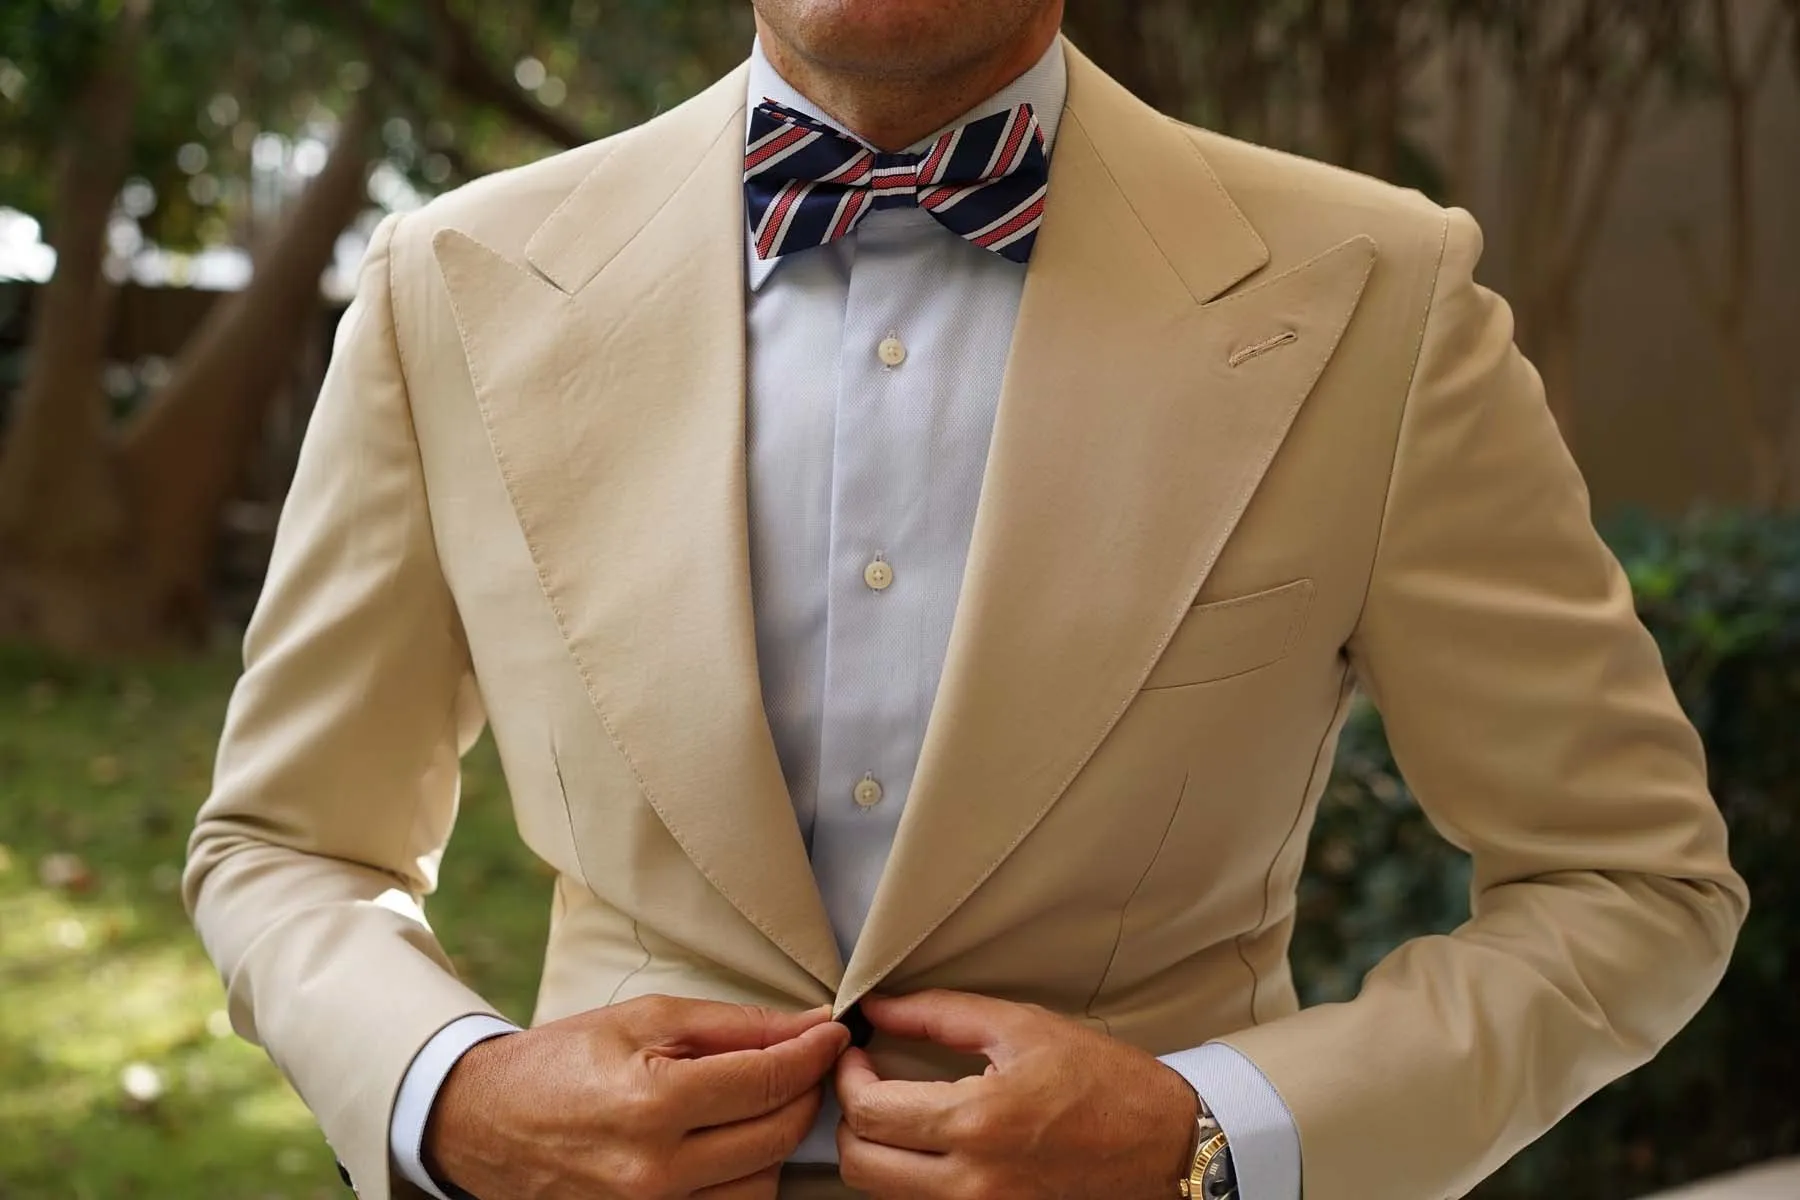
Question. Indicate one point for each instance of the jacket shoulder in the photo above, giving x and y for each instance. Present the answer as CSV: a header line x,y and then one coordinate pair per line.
x,y
1302,207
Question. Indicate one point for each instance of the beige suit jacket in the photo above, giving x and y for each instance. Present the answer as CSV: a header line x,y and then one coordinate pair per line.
x,y
1261,440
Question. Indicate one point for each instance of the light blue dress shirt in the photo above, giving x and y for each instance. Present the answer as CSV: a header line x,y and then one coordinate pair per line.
x,y
875,368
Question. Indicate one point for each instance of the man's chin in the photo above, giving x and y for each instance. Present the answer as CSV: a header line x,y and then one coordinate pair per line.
x,y
897,38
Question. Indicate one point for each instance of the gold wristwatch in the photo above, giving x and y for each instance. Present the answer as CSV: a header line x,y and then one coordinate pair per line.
x,y
1210,1176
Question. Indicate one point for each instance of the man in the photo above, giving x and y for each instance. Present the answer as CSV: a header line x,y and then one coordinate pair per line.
x,y
914,519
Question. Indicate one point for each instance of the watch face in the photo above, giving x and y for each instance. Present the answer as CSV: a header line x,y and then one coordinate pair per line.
x,y
1220,1180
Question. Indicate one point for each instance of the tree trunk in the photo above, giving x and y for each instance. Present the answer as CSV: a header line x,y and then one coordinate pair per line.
x,y
56,455
466,68
145,584
1385,114
1732,306
63,518
1465,84
1557,362
1113,33
459,62
1729,303
185,455
1563,189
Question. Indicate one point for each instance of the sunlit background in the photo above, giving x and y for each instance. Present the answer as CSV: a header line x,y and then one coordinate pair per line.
x,y
187,188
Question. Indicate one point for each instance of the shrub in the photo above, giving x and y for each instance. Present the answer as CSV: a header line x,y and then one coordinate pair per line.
x,y
1721,593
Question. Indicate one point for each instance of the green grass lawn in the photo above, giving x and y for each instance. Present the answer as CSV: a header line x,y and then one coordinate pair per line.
x,y
119,1077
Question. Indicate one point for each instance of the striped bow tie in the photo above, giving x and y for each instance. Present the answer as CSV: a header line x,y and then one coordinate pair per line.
x,y
808,185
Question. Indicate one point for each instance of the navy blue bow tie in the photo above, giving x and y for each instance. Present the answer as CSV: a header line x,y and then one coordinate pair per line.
x,y
808,185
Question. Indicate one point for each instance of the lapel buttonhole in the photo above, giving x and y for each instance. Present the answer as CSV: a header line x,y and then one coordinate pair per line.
x,y
1244,355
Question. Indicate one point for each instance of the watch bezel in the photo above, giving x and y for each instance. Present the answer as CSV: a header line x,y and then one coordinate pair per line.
x,y
1211,1167
1212,1146
1218,1180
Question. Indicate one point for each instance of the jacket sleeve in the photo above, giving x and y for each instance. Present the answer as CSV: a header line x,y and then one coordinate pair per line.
x,y
1529,711
337,776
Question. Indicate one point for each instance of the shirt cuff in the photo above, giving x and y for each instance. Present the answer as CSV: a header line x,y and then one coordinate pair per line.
x,y
419,1092
1265,1145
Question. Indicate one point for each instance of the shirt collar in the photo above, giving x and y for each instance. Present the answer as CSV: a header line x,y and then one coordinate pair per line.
x,y
1045,87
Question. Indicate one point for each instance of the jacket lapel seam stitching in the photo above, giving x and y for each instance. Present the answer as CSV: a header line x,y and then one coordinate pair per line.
x,y
1301,268
568,202
510,477
1255,475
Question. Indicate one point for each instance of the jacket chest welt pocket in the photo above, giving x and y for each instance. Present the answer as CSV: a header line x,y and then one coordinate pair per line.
x,y
1229,637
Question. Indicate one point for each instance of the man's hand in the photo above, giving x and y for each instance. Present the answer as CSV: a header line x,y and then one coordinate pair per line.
x,y
654,1099
1062,1111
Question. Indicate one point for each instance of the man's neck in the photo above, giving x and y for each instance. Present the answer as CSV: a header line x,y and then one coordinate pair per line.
x,y
892,112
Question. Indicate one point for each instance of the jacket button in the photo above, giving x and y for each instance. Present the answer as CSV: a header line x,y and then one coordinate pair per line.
x,y
861,1031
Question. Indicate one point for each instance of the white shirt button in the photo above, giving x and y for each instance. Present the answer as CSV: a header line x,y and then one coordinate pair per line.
x,y
878,575
892,351
868,792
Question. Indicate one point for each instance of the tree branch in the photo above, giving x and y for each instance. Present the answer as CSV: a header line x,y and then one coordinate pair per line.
x,y
184,452
466,69
1621,127
1693,266
57,497
383,42
1762,53
1793,7
459,64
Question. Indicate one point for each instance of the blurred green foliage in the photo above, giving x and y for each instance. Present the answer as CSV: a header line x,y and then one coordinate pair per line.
x,y
464,88
119,1076
1721,592
448,78
211,75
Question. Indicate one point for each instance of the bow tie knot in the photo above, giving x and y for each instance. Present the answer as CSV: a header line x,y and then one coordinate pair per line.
x,y
895,179
807,185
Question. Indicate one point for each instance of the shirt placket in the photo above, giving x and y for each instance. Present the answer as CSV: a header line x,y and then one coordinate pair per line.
x,y
874,611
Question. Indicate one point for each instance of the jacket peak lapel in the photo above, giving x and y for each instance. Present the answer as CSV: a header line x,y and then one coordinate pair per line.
x,y
610,377
643,169
1174,199
1138,416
